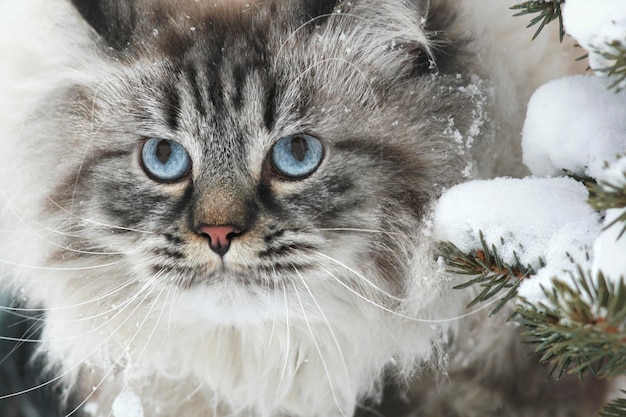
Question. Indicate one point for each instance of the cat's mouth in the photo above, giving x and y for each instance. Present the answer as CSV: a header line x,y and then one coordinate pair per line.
x,y
225,275
227,270
231,271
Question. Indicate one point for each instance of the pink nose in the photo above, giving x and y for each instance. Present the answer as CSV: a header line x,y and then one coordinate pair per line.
x,y
219,237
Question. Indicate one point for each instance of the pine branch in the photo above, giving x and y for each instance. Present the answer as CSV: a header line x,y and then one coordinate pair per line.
x,y
617,70
582,178
616,408
548,11
589,182
489,270
607,195
582,326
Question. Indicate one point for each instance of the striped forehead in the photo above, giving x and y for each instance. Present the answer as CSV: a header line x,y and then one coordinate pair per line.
x,y
224,99
229,84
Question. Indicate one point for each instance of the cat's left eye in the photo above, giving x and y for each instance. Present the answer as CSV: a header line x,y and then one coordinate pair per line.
x,y
165,160
296,157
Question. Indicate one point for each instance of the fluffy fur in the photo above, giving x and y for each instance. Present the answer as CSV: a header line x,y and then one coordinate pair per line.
x,y
331,287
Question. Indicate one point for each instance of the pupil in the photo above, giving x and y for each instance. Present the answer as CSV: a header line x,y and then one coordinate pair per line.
x,y
299,148
163,151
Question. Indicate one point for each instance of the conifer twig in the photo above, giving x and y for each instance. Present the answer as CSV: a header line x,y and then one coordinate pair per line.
x,y
582,326
616,55
489,270
549,11
616,408
605,196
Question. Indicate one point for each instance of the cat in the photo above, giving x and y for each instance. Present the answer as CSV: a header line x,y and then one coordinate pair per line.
x,y
222,207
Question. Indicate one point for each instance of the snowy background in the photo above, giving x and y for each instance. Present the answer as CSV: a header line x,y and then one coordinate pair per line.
x,y
574,125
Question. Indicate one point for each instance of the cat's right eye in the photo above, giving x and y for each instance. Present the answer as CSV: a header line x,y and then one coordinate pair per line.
x,y
165,160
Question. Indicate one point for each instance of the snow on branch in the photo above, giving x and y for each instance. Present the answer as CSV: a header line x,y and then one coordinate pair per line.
x,y
553,244
574,123
488,271
520,227
598,26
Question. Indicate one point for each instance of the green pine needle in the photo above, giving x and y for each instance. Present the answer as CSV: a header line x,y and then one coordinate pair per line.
x,y
606,196
618,69
548,11
616,408
582,178
582,327
490,272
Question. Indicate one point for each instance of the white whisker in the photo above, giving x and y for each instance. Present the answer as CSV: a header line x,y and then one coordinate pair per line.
x,y
319,352
112,367
330,328
30,331
288,344
338,59
404,316
98,223
84,155
73,368
121,307
139,328
360,276
66,268
353,229
36,230
81,304
275,315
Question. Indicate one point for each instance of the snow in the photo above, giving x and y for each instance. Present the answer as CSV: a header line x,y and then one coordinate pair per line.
x,y
575,123
531,218
127,404
596,28
609,247
535,211
616,172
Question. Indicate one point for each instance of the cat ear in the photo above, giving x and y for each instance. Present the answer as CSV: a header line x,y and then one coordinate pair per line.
x,y
418,52
438,20
113,20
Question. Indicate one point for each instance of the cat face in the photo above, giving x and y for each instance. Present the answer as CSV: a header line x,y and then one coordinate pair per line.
x,y
250,148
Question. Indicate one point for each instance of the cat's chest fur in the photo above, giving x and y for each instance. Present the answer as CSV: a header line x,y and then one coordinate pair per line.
x,y
220,205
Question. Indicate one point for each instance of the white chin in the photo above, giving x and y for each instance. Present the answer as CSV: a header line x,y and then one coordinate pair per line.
x,y
229,303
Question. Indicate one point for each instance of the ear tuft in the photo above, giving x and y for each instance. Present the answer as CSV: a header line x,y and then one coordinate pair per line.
x,y
421,61
422,7
113,20
448,43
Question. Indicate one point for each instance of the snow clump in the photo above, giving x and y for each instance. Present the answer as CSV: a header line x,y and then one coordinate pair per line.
x,y
575,123
526,219
599,26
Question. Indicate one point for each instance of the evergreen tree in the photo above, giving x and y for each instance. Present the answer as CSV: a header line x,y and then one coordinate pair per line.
x,y
580,326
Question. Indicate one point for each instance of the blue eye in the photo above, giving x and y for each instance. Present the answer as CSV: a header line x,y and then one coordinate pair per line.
x,y
165,160
296,156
